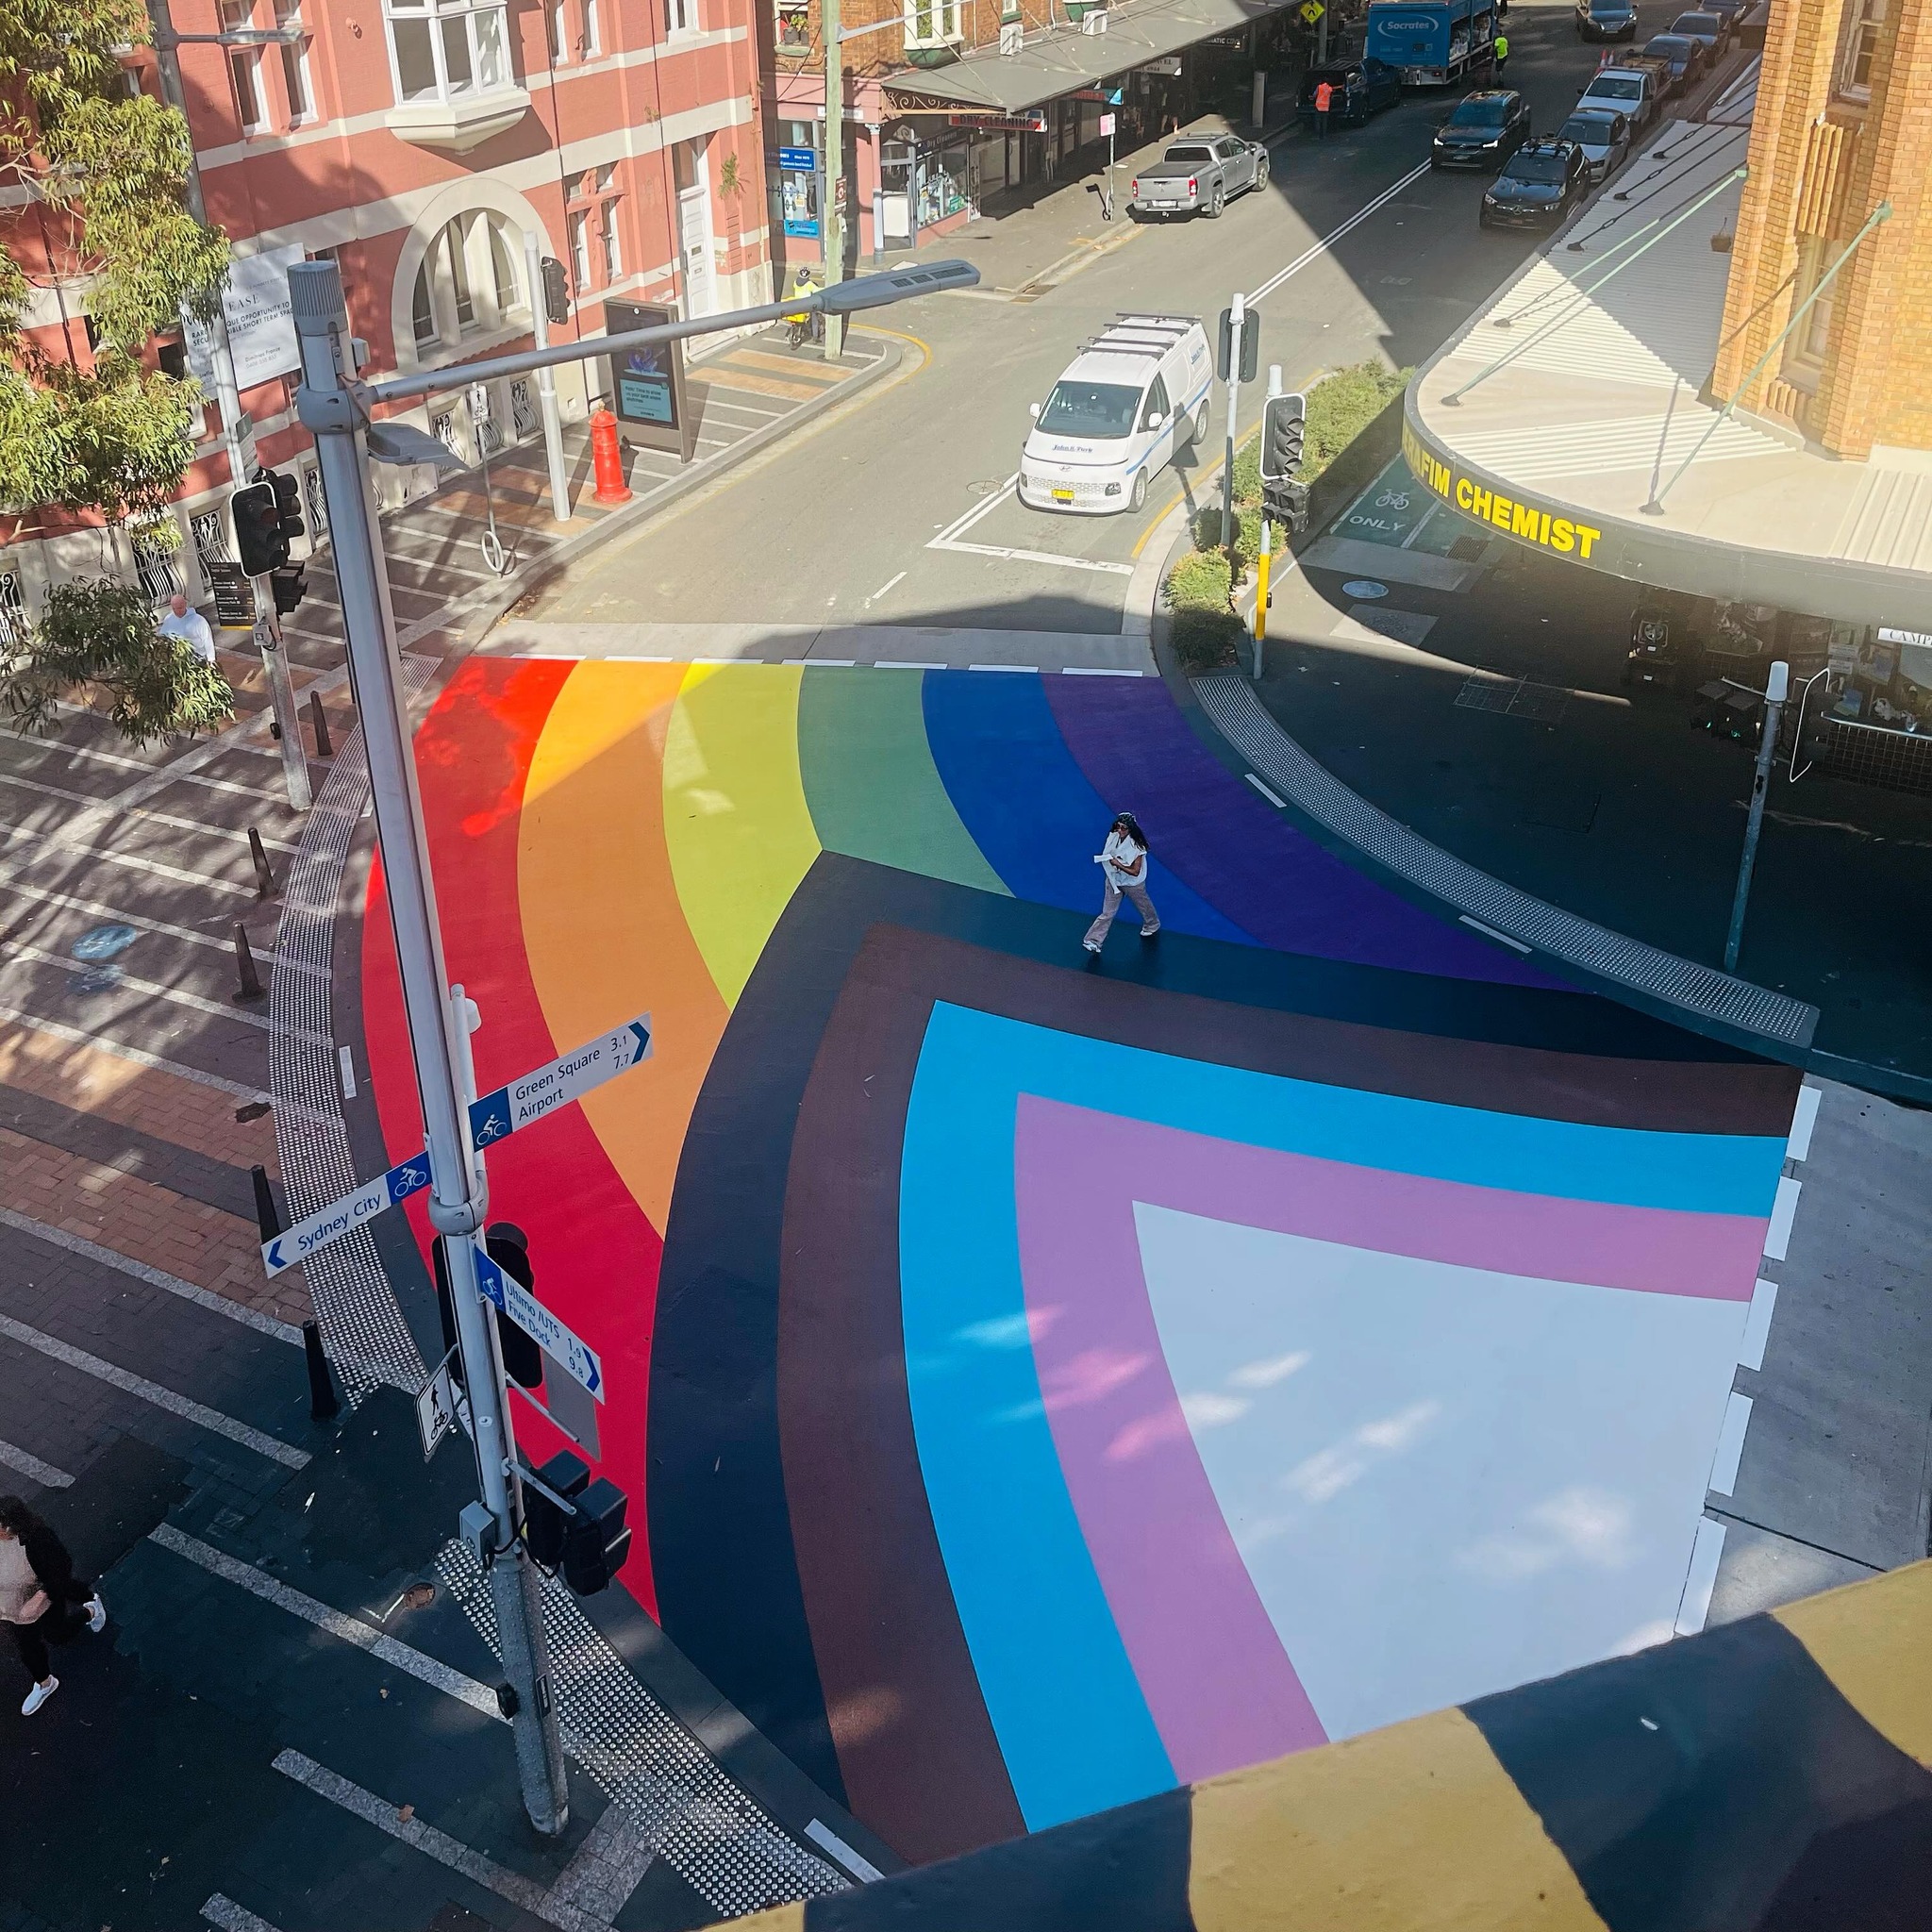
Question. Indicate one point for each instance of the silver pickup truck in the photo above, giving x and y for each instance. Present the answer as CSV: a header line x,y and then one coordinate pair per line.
x,y
1199,177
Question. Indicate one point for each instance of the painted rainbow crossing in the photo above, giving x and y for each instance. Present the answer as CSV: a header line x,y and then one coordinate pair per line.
x,y
860,1245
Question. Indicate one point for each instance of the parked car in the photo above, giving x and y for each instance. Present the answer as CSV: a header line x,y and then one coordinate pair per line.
x,y
1712,29
1681,55
1134,396
1632,91
1734,12
1604,140
1362,88
1605,20
1199,178
1538,185
1483,131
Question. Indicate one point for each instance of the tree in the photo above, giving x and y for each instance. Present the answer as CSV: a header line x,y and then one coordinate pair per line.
x,y
101,632
104,177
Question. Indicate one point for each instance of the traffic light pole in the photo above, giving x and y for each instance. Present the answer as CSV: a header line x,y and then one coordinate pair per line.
x,y
1239,311
833,215
336,408
546,382
457,1207
281,694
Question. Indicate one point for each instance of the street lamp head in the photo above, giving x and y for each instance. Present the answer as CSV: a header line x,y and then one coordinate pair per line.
x,y
403,442
896,285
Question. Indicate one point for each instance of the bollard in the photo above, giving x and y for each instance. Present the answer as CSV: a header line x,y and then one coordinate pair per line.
x,y
268,1217
250,987
324,748
322,1405
606,459
264,878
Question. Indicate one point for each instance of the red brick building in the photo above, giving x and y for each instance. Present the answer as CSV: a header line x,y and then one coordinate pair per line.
x,y
419,141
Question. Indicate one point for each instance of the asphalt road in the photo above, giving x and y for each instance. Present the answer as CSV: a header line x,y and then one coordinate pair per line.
x,y
1355,248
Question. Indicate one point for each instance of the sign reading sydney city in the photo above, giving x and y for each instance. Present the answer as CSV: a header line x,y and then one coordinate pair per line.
x,y
338,1218
499,1115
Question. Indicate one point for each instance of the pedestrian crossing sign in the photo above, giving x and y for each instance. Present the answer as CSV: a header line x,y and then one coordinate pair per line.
x,y
1312,10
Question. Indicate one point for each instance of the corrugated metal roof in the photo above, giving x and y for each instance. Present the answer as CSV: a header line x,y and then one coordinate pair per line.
x,y
1064,58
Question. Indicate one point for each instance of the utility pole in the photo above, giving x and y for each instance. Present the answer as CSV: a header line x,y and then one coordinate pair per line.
x,y
456,1205
833,222
1776,687
238,432
1238,313
546,381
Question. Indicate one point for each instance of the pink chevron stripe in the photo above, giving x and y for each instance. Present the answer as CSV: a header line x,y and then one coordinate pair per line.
x,y
1222,1691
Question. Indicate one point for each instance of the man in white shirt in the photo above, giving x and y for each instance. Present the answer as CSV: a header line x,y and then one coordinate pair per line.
x,y
182,621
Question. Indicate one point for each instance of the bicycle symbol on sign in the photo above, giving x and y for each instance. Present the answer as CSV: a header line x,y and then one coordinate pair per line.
x,y
1392,499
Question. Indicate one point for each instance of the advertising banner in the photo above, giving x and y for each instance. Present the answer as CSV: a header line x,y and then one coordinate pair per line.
x,y
261,330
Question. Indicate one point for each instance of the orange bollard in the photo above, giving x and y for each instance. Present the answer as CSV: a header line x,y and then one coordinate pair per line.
x,y
606,459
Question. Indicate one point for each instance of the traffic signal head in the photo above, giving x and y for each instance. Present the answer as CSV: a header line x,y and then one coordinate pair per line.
x,y
288,504
546,1524
522,1360
1250,361
259,541
596,1539
287,587
1283,423
555,290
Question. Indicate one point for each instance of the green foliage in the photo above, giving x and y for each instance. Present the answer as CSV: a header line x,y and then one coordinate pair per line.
x,y
1341,405
1207,640
110,173
99,632
730,180
1199,581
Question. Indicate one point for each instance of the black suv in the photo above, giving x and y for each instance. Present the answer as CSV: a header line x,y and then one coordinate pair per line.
x,y
1486,128
1605,20
1543,180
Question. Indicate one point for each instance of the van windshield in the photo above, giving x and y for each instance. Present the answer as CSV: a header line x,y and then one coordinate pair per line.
x,y
1099,412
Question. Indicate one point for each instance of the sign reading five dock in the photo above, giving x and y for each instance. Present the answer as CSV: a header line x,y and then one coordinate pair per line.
x,y
499,1115
338,1218
568,1350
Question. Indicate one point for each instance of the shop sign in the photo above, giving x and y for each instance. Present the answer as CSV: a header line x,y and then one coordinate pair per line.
x,y
647,384
1033,121
1545,528
799,160
1166,63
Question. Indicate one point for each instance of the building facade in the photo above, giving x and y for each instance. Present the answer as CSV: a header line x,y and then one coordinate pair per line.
x,y
1844,125
419,142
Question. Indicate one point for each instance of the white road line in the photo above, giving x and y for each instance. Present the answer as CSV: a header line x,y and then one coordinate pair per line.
x,y
904,664
825,663
1758,1324
25,1462
179,873
885,587
230,1917
1095,671
1799,1146
126,1264
77,1038
26,954
272,1590
101,805
1502,939
966,519
1693,1607
1031,670
823,1835
1784,1211
190,1410
345,1070
1279,803
1016,556
606,1868
1730,1445
525,1893
140,921
1320,248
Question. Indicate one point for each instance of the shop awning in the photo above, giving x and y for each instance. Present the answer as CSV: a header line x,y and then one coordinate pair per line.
x,y
1065,57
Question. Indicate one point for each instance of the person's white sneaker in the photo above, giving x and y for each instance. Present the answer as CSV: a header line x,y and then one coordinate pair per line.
x,y
1092,947
96,1614
39,1695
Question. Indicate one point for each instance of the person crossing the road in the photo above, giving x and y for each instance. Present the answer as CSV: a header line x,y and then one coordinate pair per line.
x,y
1123,862
41,1598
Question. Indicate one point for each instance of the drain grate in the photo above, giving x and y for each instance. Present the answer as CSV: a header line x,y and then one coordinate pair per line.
x,y
1542,704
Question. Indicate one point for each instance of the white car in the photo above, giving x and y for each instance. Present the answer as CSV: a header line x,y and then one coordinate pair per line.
x,y
1129,400
1604,140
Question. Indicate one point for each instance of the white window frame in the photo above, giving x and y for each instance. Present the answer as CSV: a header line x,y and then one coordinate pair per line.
x,y
680,19
245,85
1864,23
458,271
555,32
611,238
591,42
477,37
578,224
800,11
932,22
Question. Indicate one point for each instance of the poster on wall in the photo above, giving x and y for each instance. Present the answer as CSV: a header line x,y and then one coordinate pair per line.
x,y
800,203
646,385
261,329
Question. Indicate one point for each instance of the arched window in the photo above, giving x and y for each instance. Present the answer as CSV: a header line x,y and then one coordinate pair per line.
x,y
468,284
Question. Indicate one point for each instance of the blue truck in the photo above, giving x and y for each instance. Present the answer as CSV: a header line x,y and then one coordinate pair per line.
x,y
1433,43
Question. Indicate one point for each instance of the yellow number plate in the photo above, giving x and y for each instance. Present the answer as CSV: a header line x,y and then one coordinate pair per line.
x,y
1063,496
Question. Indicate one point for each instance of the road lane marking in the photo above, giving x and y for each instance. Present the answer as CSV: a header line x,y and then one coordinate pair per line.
x,y
25,1462
179,873
126,1264
1316,250
185,1407
272,1590
1798,1147
1030,669
1280,805
885,587
74,1036
1015,555
1095,671
224,1913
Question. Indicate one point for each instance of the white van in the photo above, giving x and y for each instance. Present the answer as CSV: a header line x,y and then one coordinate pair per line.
x,y
1133,396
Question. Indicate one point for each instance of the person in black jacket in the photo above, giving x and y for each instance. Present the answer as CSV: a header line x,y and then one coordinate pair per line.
x,y
42,1600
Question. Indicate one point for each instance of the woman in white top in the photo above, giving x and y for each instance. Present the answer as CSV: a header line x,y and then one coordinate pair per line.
x,y
1123,863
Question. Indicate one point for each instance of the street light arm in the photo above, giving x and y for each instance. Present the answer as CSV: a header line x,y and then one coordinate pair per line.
x,y
865,291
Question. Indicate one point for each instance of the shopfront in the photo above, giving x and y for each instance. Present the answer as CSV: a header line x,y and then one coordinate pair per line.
x,y
1866,713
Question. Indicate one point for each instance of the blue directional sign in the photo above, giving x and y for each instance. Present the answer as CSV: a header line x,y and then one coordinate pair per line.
x,y
332,1222
499,1115
798,160
576,1357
